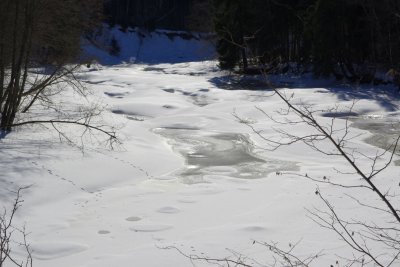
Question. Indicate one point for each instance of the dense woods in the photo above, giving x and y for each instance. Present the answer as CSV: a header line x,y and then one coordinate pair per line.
x,y
149,14
350,39
193,15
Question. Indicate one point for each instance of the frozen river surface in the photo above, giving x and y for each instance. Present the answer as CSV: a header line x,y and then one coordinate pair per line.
x,y
229,155
188,174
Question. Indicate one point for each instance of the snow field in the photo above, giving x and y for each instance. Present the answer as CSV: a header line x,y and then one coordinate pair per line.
x,y
175,180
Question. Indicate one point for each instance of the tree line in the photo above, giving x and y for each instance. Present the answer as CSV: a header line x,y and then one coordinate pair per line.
x,y
150,14
352,39
185,15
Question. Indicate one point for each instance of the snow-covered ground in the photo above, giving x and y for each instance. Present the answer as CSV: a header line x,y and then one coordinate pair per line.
x,y
188,174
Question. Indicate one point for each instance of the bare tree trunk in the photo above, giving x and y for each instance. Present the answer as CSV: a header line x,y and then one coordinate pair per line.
x,y
244,58
30,36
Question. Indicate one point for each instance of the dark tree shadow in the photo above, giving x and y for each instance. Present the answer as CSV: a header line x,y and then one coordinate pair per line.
x,y
385,95
18,161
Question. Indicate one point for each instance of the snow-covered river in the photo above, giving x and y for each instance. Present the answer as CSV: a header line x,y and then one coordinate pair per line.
x,y
385,131
187,175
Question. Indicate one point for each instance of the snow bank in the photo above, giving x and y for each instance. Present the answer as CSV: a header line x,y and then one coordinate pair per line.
x,y
140,46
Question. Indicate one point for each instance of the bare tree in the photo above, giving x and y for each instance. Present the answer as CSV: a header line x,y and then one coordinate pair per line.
x,y
39,48
279,257
7,231
372,241
359,235
330,140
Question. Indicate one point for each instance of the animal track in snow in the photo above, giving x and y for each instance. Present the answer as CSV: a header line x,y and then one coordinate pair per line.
x,y
51,172
149,176
151,228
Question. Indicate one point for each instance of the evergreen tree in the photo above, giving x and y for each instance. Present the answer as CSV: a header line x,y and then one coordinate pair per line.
x,y
200,17
326,30
232,20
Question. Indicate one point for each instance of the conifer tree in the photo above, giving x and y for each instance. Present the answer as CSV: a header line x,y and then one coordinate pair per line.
x,y
230,22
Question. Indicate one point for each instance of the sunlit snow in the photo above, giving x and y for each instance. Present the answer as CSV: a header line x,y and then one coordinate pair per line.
x,y
188,174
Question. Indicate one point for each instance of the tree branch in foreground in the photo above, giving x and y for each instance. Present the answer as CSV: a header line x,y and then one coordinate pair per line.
x,y
111,134
6,232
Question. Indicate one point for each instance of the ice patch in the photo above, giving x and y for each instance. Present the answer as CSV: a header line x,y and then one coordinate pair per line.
x,y
385,131
208,154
